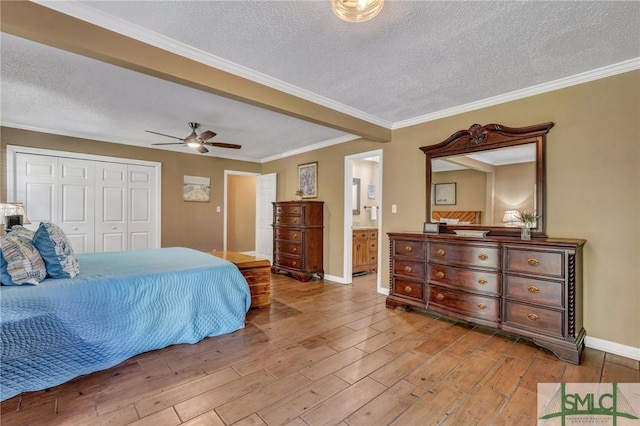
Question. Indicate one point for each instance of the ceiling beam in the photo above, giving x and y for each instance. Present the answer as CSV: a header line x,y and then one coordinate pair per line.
x,y
41,24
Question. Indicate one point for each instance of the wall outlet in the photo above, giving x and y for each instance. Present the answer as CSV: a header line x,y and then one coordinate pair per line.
x,y
394,208
218,209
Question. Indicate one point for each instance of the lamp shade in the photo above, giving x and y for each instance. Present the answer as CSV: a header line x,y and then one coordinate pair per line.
x,y
356,10
511,218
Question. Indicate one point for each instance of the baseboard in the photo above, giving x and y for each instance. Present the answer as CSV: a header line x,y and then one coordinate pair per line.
x,y
334,279
612,347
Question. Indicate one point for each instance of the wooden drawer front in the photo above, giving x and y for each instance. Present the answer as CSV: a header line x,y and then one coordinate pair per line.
x,y
477,306
289,248
290,261
413,249
466,279
534,318
288,234
409,268
373,235
485,257
360,234
547,263
408,289
289,220
294,210
542,292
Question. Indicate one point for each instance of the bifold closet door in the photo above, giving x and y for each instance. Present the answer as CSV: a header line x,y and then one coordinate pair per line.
x,y
111,207
142,199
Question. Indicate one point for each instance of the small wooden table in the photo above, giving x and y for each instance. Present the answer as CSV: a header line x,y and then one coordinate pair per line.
x,y
256,271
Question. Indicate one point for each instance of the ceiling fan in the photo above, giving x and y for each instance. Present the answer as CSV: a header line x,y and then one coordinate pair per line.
x,y
197,141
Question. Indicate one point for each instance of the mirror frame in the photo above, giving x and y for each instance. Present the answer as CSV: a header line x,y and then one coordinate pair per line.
x,y
494,136
356,201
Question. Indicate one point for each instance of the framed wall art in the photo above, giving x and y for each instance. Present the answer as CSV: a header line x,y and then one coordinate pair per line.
x,y
196,188
308,179
445,194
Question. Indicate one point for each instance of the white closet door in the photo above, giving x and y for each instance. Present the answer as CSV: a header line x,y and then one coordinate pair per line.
x,y
36,187
142,216
76,195
111,207
266,186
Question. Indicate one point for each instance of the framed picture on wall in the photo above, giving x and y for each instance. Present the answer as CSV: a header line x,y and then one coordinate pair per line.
x,y
445,194
371,192
196,188
308,179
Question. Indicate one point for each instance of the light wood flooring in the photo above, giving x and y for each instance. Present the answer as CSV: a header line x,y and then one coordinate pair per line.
x,y
329,354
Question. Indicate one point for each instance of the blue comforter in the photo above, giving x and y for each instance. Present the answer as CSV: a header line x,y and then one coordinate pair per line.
x,y
121,304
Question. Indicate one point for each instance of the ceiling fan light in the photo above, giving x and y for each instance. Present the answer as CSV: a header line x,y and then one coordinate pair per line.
x,y
193,144
356,10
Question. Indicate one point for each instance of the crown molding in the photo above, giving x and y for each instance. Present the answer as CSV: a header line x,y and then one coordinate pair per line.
x,y
89,14
585,77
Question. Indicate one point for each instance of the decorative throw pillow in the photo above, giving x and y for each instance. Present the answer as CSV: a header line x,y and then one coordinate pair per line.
x,y
56,250
20,261
21,231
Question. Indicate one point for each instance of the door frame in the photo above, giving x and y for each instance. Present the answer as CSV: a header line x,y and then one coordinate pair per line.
x,y
13,150
224,202
348,216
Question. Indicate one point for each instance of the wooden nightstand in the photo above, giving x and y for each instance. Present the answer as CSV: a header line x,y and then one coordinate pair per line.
x,y
256,271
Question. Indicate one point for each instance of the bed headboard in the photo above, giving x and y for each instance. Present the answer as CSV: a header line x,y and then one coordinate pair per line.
x,y
473,217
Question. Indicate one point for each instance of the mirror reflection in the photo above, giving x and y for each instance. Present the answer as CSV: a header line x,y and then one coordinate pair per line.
x,y
491,186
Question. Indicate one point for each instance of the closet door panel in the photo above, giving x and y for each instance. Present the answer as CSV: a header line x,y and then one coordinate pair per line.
x,y
142,216
111,207
36,187
77,205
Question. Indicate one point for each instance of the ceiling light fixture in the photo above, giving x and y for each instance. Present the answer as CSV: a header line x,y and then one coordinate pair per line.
x,y
356,10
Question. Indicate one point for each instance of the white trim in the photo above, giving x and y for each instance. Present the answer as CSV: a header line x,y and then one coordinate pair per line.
x,y
13,150
612,347
121,26
348,216
335,279
224,202
603,72
319,145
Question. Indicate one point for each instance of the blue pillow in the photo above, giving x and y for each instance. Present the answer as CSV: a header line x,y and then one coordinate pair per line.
x,y
56,250
20,262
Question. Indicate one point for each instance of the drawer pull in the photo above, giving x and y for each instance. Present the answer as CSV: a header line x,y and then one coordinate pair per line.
x,y
440,252
533,262
533,289
482,281
439,296
295,236
408,289
483,256
294,250
295,220
408,249
532,317
440,274
482,305
294,263
408,269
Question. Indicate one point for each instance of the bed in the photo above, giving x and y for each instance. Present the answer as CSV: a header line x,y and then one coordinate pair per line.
x,y
458,217
122,304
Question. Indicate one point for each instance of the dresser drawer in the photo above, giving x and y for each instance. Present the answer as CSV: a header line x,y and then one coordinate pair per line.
x,y
288,220
539,320
408,289
405,248
465,279
541,292
292,210
289,261
547,263
361,234
286,247
484,307
373,235
409,268
288,234
465,255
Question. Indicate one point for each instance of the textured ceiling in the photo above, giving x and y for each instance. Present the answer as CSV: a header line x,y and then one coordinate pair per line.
x,y
412,61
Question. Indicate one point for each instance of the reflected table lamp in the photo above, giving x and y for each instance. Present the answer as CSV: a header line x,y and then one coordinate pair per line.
x,y
512,219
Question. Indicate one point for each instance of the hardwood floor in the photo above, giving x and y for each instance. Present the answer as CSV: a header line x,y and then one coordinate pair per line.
x,y
328,354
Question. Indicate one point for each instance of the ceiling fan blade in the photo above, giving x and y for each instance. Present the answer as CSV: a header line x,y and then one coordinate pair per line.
x,y
201,149
206,135
162,134
223,145
169,143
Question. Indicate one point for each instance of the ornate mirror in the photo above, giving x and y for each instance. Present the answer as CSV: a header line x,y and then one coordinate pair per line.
x,y
485,176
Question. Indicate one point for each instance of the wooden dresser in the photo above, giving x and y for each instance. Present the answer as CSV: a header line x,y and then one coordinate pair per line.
x,y
530,288
364,250
297,238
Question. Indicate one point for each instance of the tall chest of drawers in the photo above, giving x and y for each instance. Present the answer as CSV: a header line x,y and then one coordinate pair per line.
x,y
298,238
530,288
